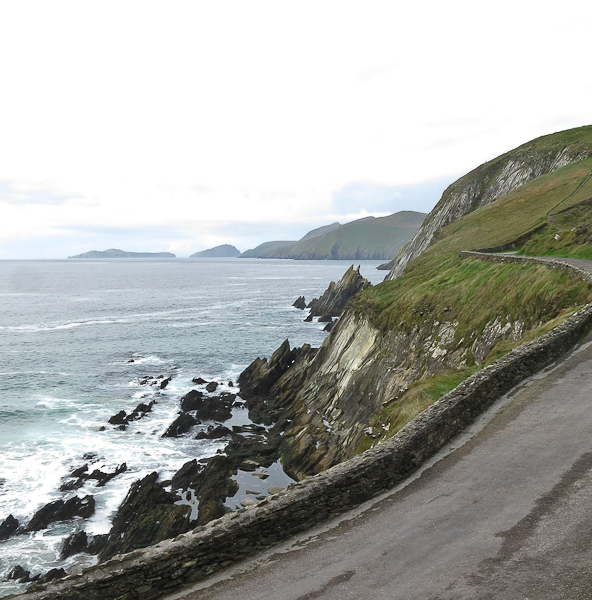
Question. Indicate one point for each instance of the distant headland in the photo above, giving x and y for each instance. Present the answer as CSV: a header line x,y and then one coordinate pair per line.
x,y
114,253
224,251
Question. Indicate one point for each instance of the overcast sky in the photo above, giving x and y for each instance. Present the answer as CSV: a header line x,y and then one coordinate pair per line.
x,y
177,126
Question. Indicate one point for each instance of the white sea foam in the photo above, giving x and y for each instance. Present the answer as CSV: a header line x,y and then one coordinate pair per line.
x,y
65,372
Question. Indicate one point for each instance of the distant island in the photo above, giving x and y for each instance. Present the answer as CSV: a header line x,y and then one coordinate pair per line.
x,y
115,253
224,251
369,238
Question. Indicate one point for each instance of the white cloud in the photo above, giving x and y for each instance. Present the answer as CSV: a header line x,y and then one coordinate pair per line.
x,y
185,117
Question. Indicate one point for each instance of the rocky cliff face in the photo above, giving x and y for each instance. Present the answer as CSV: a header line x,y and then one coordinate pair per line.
x,y
324,401
487,183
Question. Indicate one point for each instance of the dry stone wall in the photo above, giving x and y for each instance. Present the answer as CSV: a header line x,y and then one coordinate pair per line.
x,y
166,567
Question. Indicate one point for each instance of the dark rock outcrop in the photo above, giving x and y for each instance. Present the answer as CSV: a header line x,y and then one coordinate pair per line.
x,y
146,516
182,424
102,478
80,476
192,401
261,374
269,388
8,527
18,574
60,510
211,387
336,296
74,544
325,319
141,411
329,326
214,433
208,408
165,382
51,575
188,476
300,303
216,487
199,381
119,419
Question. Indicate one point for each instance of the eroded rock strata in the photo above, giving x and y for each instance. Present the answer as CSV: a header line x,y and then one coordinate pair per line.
x,y
323,401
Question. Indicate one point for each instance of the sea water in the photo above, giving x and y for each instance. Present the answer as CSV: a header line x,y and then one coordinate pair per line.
x,y
69,331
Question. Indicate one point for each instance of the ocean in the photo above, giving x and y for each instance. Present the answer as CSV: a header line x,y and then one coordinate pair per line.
x,y
70,330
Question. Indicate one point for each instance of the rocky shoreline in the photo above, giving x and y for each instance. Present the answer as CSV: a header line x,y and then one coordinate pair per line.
x,y
201,490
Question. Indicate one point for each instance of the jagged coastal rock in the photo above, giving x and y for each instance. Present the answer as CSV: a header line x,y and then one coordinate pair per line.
x,y
8,527
300,303
336,296
61,510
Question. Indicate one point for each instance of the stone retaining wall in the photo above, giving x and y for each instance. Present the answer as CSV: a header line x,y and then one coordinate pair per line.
x,y
172,564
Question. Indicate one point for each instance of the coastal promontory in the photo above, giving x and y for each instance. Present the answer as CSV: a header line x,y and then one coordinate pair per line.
x,y
223,251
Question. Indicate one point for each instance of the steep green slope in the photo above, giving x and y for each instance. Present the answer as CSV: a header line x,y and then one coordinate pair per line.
x,y
321,231
495,179
402,344
364,239
263,248
501,224
473,300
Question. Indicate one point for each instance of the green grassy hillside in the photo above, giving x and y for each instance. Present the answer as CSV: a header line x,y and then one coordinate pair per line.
x,y
265,247
364,239
491,181
321,231
439,287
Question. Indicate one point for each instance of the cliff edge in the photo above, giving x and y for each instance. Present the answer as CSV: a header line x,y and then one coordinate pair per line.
x,y
492,180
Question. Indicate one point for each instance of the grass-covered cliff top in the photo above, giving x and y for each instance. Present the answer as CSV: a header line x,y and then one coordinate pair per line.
x,y
475,290
440,287
577,142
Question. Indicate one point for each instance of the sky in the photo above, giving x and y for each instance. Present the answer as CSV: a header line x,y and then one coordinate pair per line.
x,y
178,126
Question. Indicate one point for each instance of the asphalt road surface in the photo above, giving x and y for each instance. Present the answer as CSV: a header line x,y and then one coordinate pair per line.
x,y
503,513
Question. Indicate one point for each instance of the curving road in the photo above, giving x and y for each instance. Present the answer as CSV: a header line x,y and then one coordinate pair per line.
x,y
503,513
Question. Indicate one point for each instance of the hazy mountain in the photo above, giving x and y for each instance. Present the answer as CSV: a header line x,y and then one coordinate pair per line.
x,y
364,239
115,253
224,251
321,231
265,247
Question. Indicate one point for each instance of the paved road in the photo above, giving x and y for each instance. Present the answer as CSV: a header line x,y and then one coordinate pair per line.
x,y
505,515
